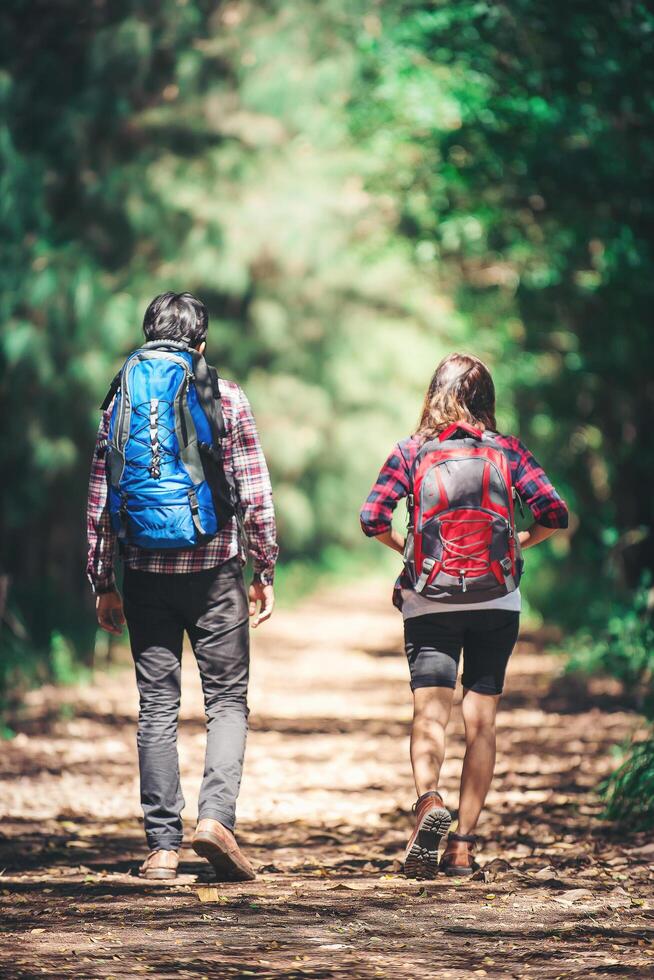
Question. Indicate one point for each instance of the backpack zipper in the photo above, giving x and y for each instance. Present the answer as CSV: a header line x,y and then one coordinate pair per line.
x,y
183,389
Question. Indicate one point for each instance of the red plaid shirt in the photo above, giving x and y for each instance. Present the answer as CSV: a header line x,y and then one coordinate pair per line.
x,y
242,455
394,483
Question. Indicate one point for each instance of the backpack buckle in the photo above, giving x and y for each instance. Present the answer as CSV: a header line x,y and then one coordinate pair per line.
x,y
427,567
123,515
195,512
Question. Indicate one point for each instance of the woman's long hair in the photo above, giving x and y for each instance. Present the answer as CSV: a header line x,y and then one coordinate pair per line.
x,y
461,390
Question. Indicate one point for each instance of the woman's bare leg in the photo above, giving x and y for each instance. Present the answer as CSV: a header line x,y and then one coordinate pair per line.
x,y
431,712
479,711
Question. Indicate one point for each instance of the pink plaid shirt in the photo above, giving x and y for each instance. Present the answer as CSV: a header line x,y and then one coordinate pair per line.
x,y
242,456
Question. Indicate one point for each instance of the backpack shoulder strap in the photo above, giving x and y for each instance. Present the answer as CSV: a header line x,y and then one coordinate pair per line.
x,y
208,389
470,430
171,345
113,388
218,405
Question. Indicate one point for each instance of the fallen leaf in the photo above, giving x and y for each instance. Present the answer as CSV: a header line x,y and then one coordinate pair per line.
x,y
574,895
547,872
209,893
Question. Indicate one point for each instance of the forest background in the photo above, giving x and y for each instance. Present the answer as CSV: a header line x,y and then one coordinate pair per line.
x,y
354,189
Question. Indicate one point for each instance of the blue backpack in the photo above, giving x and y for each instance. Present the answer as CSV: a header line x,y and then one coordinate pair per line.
x,y
167,486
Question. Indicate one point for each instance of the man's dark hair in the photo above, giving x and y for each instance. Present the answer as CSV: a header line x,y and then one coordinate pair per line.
x,y
176,316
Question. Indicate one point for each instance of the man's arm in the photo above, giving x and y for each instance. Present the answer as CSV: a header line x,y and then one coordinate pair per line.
x,y
255,494
102,539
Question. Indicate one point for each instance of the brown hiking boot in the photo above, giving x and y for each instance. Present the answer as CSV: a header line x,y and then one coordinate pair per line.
x,y
160,864
217,844
432,823
457,860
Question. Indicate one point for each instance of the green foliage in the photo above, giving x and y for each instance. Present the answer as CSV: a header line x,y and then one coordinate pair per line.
x,y
354,189
630,790
24,665
207,149
623,648
63,666
516,140
20,668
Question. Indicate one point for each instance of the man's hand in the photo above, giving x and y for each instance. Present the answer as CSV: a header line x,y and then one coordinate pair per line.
x,y
265,596
109,610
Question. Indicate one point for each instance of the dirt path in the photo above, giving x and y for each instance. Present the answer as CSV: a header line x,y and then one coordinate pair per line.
x,y
324,814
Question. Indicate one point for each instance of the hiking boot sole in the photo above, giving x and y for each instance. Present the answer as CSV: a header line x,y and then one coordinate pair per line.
x,y
458,872
224,863
421,860
159,874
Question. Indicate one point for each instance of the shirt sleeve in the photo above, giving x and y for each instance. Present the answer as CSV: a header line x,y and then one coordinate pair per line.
x,y
535,488
254,490
391,486
100,534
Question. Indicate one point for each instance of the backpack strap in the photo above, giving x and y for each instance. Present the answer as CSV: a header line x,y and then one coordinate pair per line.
x,y
207,386
208,389
464,426
427,567
167,345
195,513
509,578
217,397
113,388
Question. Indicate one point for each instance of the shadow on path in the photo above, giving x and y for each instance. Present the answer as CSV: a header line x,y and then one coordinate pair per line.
x,y
324,815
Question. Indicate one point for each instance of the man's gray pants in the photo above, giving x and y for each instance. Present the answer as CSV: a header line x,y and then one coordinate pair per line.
x,y
211,606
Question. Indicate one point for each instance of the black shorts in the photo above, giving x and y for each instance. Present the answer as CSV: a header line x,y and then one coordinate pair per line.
x,y
434,642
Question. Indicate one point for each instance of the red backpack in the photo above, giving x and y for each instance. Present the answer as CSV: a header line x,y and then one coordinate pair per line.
x,y
462,545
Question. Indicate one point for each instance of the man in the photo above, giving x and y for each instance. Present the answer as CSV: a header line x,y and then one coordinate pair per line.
x,y
198,590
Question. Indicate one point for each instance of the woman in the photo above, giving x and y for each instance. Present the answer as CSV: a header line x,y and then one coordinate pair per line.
x,y
459,588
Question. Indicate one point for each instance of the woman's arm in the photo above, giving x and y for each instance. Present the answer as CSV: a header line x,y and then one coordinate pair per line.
x,y
392,539
535,488
534,535
391,486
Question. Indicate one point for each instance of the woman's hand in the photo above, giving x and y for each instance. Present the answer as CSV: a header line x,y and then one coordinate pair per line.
x,y
392,540
534,535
